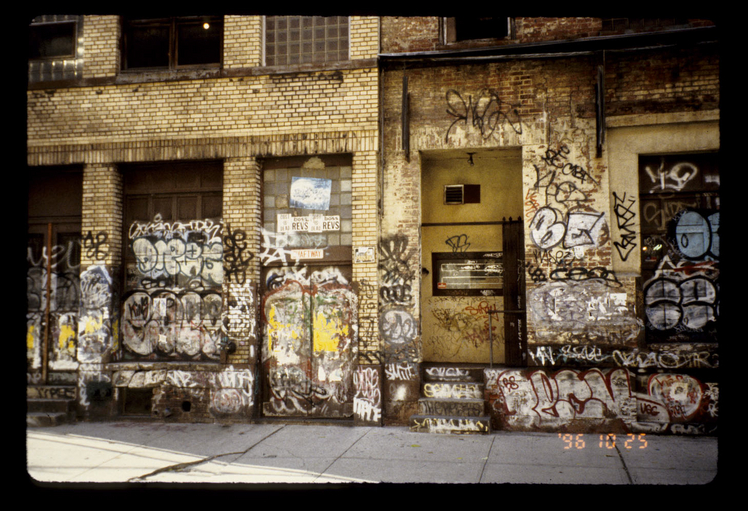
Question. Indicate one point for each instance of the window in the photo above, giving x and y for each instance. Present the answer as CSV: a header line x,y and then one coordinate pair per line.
x,y
680,246
52,40
305,39
307,209
53,50
467,274
469,28
171,43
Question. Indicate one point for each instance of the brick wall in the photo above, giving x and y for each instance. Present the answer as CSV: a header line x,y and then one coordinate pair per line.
x,y
239,114
364,37
61,119
668,81
242,41
102,215
101,52
266,105
242,223
546,107
549,29
409,34
365,193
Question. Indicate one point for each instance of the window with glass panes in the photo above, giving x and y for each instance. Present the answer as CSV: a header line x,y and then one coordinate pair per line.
x,y
293,40
168,43
54,51
307,206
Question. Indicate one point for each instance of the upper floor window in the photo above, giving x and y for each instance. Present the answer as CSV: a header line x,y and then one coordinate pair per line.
x,y
53,50
469,28
305,39
52,40
171,43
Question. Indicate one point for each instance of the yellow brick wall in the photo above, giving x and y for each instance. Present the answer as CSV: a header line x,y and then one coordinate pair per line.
x,y
242,210
242,41
364,37
102,214
269,104
239,114
365,236
101,52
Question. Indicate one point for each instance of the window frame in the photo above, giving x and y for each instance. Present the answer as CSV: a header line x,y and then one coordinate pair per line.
x,y
154,194
56,68
172,24
477,262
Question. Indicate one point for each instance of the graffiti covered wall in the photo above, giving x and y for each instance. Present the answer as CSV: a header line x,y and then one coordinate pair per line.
x,y
590,307
601,400
53,284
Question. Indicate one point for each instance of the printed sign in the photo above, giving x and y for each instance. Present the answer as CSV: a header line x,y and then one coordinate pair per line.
x,y
309,223
308,254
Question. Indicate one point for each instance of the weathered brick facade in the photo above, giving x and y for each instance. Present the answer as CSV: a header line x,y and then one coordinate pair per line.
x,y
549,121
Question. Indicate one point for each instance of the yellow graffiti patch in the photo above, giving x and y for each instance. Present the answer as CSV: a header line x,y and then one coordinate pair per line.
x,y
67,337
94,325
276,326
30,336
327,333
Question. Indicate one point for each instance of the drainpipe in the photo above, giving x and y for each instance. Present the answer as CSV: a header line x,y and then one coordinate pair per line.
x,y
48,305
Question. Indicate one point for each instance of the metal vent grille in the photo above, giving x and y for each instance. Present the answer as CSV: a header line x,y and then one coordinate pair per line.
x,y
454,194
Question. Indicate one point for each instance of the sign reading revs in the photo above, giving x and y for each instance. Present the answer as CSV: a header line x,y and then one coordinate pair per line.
x,y
309,223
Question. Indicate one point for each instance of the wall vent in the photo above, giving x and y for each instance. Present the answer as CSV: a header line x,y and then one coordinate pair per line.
x,y
461,194
454,194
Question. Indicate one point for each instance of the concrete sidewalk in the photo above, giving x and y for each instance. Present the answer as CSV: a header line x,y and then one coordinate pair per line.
x,y
136,452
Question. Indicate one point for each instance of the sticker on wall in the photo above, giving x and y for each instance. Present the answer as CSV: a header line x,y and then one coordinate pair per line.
x,y
363,255
310,193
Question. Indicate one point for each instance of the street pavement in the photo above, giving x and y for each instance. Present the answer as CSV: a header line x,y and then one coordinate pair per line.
x,y
140,453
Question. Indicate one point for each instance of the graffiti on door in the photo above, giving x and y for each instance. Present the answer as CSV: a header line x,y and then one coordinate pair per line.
x,y
53,296
172,307
310,343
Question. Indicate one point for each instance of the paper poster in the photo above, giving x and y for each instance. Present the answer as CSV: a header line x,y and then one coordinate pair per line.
x,y
310,193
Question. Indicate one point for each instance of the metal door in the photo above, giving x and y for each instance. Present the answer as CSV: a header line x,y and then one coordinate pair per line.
x,y
309,342
53,275
53,292
515,324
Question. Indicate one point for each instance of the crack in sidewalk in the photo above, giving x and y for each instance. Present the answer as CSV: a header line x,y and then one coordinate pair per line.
x,y
623,462
183,467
